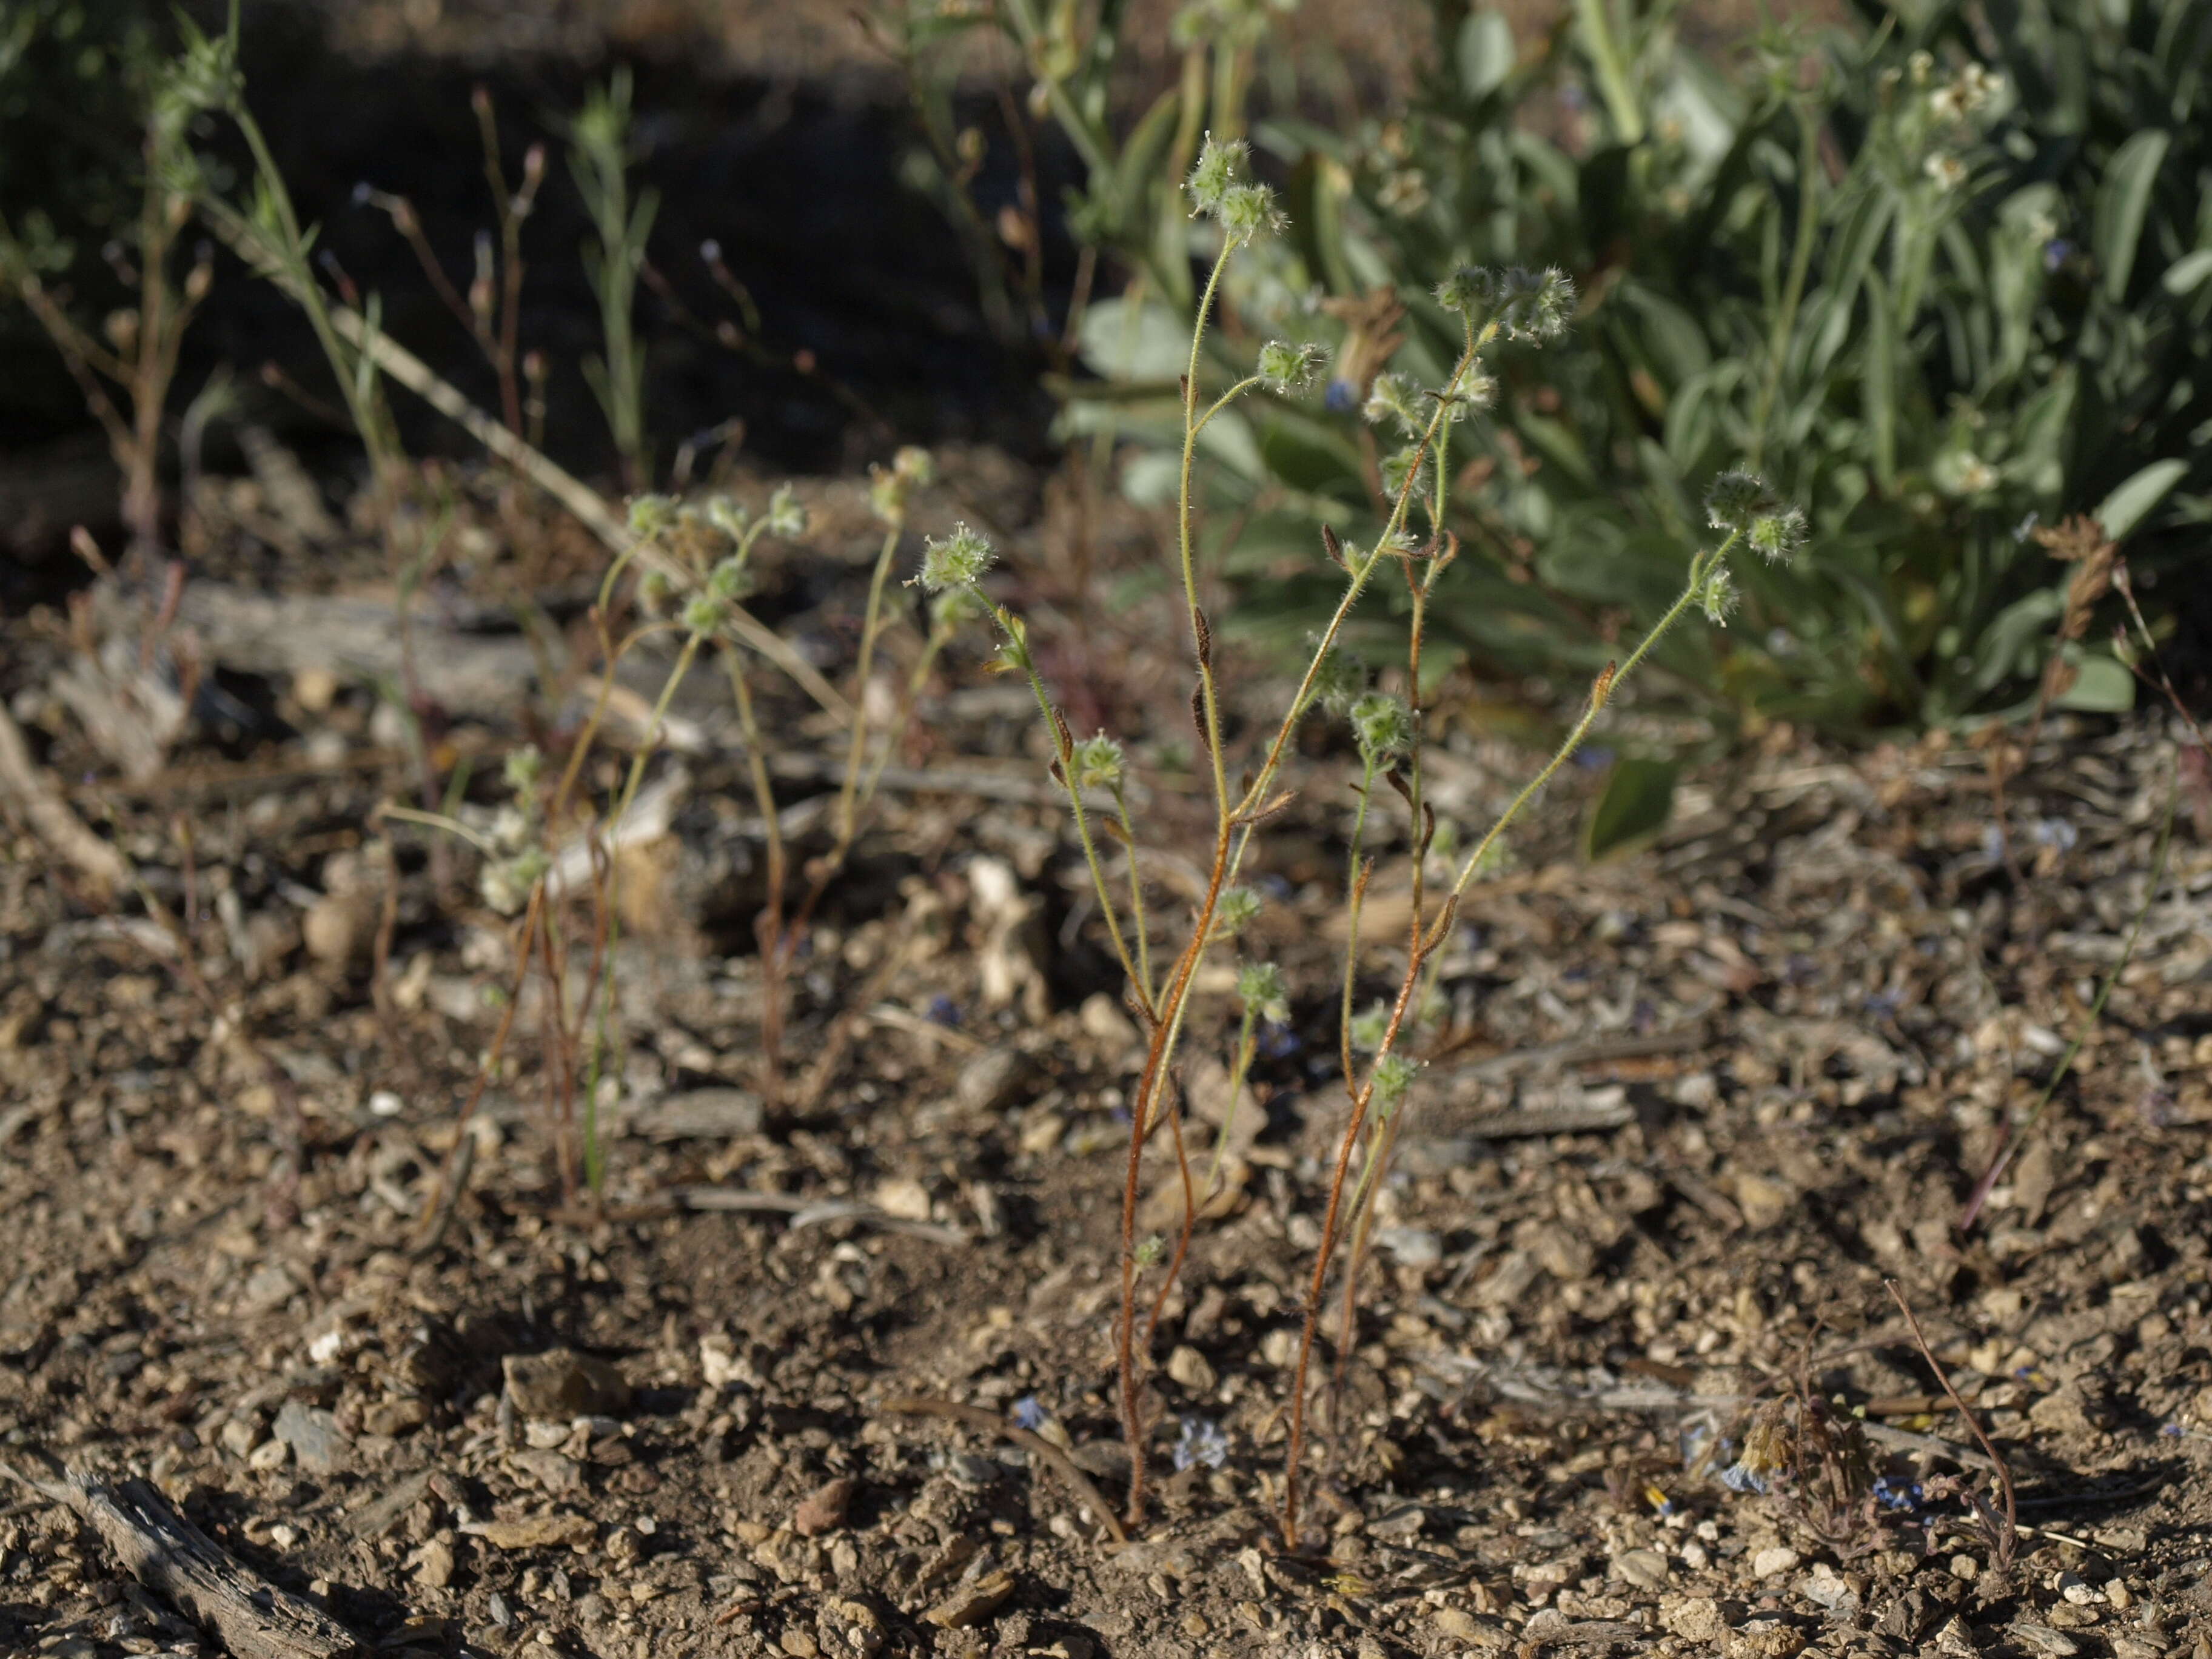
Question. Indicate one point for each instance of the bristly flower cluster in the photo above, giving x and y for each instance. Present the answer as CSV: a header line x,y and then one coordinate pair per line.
x,y
1528,305
1219,191
957,560
1286,367
1383,725
1741,503
1097,763
1260,989
1393,1075
1238,909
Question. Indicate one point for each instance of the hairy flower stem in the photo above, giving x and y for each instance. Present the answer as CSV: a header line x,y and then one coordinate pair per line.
x,y
1425,941
1232,837
1191,425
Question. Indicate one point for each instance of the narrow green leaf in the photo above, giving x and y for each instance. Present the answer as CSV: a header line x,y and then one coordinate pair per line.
x,y
2122,202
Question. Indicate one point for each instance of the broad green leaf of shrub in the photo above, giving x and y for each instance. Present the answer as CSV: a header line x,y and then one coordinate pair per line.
x,y
2133,502
1487,55
2101,686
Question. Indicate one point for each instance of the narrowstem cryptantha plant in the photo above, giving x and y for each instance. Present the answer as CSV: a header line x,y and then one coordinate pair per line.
x,y
1388,730
698,572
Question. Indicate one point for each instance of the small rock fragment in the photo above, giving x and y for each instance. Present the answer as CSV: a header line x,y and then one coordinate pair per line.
x,y
339,927
989,1082
313,1436
562,1383
902,1196
395,1417
971,1603
537,1532
1762,1200
434,1563
1190,1368
557,1474
1105,1024
825,1509
1693,1618
1646,1569
1776,1558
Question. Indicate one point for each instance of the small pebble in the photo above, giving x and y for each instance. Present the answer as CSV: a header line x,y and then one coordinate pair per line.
x,y
1646,1569
1777,1557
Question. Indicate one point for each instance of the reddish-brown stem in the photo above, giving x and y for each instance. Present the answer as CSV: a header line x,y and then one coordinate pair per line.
x,y
1330,1219
1140,1110
1174,1114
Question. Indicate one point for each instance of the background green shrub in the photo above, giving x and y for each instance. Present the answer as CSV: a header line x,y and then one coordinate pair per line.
x,y
1945,277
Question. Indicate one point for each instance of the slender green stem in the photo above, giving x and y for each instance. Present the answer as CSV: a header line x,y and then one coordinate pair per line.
x,y
849,794
1083,831
1224,401
1190,428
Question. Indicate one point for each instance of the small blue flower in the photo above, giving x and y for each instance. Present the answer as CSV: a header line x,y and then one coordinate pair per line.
x,y
1736,1477
2055,252
1278,1042
1202,1442
1594,757
2171,1430
943,1011
1342,398
1028,1414
1898,1494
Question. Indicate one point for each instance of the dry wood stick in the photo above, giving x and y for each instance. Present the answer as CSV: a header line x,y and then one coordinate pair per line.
x,y
174,1558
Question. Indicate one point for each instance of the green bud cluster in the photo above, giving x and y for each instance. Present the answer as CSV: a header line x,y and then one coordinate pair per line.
x,y
785,518
1287,367
1383,725
1220,192
1394,1076
1097,763
505,884
910,470
1404,468
1260,988
1340,680
1237,909
1399,397
522,768
704,614
1740,502
651,515
1368,1029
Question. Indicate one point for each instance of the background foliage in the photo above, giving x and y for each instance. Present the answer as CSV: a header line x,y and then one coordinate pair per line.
x,y
1943,277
